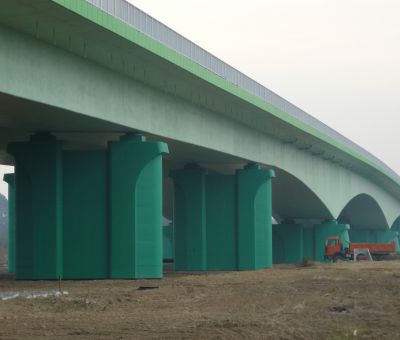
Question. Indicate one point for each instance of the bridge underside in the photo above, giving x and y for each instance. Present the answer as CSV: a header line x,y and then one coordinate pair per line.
x,y
97,213
90,192
89,197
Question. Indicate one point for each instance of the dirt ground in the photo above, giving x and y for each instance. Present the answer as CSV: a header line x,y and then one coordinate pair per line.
x,y
330,301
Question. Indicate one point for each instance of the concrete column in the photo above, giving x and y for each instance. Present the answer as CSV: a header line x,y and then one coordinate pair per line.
x,y
135,198
287,243
168,242
10,179
85,229
397,240
221,231
309,242
190,218
205,220
325,230
254,211
38,197
222,222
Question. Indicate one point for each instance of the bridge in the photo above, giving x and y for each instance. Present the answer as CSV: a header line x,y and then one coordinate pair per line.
x,y
113,121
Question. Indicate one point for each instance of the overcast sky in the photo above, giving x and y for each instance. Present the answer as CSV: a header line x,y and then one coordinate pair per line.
x,y
338,60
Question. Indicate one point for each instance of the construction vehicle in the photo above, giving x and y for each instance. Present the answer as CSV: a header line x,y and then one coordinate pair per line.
x,y
335,250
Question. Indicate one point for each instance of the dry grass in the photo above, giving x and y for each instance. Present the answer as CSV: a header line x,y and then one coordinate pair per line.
x,y
340,301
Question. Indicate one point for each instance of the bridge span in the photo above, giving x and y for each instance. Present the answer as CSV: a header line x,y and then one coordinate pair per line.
x,y
113,121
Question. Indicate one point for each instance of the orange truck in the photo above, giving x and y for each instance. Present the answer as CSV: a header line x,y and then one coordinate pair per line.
x,y
335,250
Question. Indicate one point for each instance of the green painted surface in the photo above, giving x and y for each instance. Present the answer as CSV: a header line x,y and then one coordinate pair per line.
x,y
113,98
190,219
136,207
88,214
287,243
325,230
375,236
254,225
278,247
123,30
60,50
168,242
10,179
85,215
38,171
388,236
309,243
221,222
363,235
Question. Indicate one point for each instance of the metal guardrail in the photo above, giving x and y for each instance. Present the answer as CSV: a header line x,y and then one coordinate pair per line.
x,y
151,27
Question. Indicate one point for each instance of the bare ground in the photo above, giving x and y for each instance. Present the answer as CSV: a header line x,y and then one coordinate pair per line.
x,y
340,301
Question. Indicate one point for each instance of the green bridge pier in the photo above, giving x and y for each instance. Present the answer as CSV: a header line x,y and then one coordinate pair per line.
x,y
97,214
87,214
222,222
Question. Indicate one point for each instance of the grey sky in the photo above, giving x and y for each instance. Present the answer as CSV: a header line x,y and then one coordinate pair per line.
x,y
337,60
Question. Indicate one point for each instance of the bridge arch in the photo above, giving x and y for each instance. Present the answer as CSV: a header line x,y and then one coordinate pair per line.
x,y
296,207
294,199
363,212
396,224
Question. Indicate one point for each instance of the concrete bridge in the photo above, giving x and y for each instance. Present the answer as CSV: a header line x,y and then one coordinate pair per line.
x,y
113,120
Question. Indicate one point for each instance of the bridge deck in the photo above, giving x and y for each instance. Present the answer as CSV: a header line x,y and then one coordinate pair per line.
x,y
151,27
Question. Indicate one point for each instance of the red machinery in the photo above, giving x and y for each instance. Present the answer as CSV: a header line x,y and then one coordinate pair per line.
x,y
335,250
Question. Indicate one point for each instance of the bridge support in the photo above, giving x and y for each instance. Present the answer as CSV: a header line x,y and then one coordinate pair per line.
x,y
10,180
88,214
325,230
85,228
136,207
222,222
254,204
222,238
308,242
168,243
190,219
288,243
38,175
